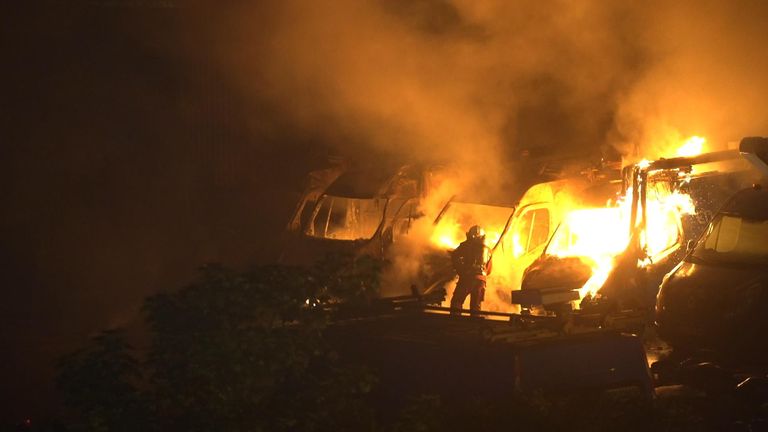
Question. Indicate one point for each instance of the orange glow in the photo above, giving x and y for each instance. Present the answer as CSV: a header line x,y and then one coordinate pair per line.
x,y
693,146
450,231
517,248
599,235
595,235
448,234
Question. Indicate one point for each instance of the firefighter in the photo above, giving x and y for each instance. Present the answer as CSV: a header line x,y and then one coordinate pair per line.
x,y
472,262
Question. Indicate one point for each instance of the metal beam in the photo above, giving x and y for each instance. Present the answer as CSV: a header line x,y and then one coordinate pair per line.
x,y
755,150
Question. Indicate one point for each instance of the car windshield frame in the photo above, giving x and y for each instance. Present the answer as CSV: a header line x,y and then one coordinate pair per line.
x,y
703,251
327,218
459,216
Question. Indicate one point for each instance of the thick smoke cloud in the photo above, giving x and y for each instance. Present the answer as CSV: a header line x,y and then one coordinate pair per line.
x,y
470,81
478,81
706,77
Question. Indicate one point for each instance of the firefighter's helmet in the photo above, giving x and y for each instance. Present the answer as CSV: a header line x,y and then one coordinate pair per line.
x,y
476,232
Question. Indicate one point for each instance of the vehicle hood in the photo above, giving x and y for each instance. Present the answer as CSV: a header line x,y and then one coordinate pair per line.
x,y
690,275
714,302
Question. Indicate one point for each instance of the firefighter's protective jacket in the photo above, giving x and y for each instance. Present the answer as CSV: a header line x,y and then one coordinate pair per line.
x,y
472,259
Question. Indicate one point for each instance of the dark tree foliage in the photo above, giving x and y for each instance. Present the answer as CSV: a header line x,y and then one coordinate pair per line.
x,y
231,352
246,351
101,383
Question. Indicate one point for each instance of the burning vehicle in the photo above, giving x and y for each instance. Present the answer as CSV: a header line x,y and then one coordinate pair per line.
x,y
358,209
612,258
717,297
601,240
593,250
516,234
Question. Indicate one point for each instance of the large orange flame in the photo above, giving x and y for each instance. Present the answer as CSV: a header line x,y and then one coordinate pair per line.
x,y
599,235
595,235
692,146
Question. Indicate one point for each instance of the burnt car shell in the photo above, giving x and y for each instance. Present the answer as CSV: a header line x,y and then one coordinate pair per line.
x,y
717,298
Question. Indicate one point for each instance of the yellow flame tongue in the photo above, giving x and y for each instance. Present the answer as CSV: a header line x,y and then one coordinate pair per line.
x,y
693,146
599,235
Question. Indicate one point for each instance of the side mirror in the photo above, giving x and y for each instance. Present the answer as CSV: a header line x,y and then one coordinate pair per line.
x,y
690,245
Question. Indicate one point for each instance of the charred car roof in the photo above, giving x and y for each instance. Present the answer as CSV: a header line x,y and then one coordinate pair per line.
x,y
749,203
363,181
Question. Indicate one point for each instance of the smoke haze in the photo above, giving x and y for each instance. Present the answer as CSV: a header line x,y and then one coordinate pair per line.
x,y
706,77
479,81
